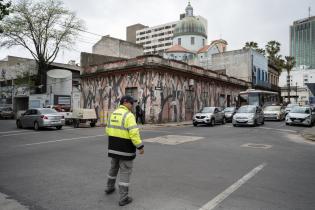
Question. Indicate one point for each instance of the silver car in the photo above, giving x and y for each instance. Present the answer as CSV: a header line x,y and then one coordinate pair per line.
x,y
301,115
209,116
248,115
274,113
39,118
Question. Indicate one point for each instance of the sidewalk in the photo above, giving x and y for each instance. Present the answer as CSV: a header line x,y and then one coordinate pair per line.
x,y
309,133
169,124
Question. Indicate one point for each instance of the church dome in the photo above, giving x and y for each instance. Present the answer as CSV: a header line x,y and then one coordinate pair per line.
x,y
190,26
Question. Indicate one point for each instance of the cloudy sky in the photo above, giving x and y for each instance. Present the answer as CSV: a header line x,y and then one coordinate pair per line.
x,y
236,21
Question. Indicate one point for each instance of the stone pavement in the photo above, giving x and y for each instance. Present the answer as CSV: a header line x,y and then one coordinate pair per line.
x,y
309,133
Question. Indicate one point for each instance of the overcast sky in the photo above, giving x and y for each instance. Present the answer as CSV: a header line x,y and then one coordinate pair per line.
x,y
236,21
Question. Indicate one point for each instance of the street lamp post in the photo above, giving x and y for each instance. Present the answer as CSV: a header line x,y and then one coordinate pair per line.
x,y
296,96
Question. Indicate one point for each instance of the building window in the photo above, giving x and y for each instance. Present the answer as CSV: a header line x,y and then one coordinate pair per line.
x,y
192,40
179,41
132,91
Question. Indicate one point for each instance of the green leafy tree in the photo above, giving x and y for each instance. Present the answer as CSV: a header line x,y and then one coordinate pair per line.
x,y
288,65
43,28
254,46
4,8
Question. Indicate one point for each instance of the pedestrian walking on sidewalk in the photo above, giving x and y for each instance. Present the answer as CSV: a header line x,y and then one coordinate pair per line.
x,y
139,114
123,140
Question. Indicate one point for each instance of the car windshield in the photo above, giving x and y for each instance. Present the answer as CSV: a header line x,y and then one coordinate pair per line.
x,y
291,105
229,109
48,111
272,108
207,110
246,109
297,109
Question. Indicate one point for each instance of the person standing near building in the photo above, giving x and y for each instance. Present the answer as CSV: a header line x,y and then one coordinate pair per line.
x,y
139,114
123,140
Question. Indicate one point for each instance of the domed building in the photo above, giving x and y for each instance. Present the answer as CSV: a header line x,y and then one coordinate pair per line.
x,y
190,32
190,41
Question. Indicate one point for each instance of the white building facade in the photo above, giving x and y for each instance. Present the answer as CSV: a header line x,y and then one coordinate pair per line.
x,y
299,91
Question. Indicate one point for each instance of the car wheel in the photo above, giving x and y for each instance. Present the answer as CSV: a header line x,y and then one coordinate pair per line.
x,y
36,126
223,121
287,123
263,122
92,124
195,124
19,124
255,123
234,125
212,122
59,127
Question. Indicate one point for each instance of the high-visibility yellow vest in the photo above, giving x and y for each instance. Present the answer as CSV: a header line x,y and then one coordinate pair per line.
x,y
123,134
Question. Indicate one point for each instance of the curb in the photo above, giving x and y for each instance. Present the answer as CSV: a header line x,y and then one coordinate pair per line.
x,y
308,136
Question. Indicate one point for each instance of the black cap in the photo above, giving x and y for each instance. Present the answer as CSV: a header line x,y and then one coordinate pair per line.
x,y
127,98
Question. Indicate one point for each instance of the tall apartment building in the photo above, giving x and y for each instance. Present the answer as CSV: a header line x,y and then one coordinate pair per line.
x,y
302,42
157,39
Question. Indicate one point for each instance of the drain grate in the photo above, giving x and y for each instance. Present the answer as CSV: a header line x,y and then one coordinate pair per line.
x,y
257,146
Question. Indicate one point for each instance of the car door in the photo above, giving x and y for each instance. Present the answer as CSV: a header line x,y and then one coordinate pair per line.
x,y
221,114
33,117
216,114
25,118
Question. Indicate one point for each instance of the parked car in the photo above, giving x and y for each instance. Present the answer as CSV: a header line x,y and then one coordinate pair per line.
x,y
289,107
301,115
248,115
39,118
6,112
274,113
229,113
209,116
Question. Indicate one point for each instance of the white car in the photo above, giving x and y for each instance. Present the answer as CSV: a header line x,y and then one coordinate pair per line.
x,y
289,107
301,115
209,116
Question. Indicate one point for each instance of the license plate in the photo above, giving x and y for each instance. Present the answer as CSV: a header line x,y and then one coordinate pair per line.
x,y
297,120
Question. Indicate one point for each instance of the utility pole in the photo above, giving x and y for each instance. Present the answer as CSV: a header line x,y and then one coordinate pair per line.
x,y
296,96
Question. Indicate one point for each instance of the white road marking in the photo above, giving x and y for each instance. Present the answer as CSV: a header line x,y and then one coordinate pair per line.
x,y
60,140
219,198
14,131
173,139
35,132
8,203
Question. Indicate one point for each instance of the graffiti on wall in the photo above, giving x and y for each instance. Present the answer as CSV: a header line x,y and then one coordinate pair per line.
x,y
165,97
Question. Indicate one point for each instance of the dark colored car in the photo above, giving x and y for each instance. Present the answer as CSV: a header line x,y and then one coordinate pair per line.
x,y
229,113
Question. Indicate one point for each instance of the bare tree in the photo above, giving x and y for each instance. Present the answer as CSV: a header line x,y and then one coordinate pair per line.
x,y
43,28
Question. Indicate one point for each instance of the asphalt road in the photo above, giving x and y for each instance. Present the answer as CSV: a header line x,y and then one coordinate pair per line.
x,y
222,167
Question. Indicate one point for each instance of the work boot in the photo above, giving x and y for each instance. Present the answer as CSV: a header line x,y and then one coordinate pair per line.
x,y
124,198
110,186
125,201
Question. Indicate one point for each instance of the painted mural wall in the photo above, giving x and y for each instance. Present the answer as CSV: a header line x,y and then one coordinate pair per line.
x,y
165,97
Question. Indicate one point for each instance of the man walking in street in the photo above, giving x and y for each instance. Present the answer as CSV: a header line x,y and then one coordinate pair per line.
x,y
139,114
123,140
